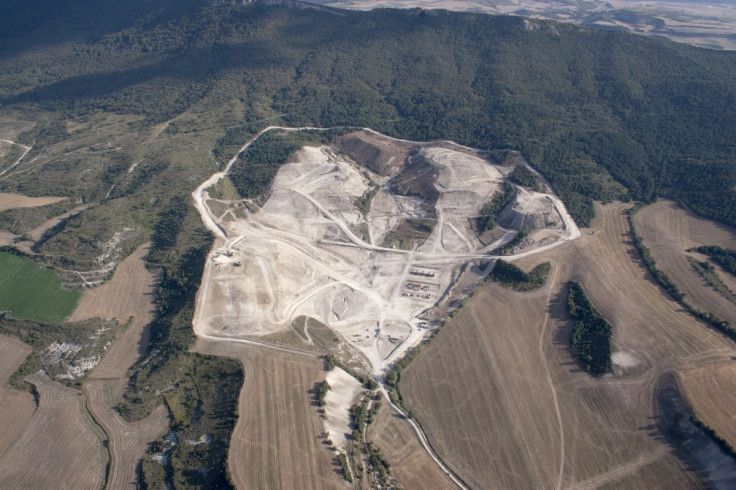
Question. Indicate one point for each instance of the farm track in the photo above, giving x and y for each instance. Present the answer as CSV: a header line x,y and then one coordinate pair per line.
x,y
277,440
482,393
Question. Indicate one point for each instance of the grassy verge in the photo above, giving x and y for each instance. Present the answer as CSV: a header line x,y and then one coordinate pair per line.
x,y
29,291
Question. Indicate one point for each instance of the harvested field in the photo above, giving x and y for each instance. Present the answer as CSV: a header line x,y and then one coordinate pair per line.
x,y
128,295
128,440
669,231
16,406
410,463
504,404
278,441
61,446
14,201
711,391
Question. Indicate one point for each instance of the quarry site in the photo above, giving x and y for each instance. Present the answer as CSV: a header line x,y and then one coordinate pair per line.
x,y
372,236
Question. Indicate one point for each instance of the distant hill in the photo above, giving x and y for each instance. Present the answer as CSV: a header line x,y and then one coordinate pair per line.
x,y
593,110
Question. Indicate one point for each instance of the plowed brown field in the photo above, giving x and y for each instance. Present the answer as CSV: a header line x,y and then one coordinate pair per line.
x,y
61,446
276,442
410,463
128,294
504,404
16,406
669,231
14,201
711,391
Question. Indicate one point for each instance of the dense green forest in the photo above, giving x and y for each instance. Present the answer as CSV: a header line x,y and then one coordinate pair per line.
x,y
591,333
585,106
512,276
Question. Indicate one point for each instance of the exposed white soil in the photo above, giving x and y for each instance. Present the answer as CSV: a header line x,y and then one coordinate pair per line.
x,y
303,252
343,393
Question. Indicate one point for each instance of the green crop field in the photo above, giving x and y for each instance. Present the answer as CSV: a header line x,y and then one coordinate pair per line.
x,y
29,291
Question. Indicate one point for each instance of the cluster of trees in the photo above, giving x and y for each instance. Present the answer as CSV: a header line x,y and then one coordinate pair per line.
x,y
206,395
345,467
487,219
512,276
708,272
253,173
324,387
508,247
722,256
523,176
591,334
361,415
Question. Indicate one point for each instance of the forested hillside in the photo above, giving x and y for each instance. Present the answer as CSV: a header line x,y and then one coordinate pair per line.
x,y
583,105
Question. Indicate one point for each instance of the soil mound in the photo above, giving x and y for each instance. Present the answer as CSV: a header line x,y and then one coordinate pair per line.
x,y
530,211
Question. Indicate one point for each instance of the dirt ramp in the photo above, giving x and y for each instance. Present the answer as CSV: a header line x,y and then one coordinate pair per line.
x,y
378,155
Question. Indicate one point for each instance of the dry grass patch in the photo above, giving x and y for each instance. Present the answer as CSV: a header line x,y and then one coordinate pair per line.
x,y
410,463
15,201
505,405
668,231
711,391
16,406
278,440
61,446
